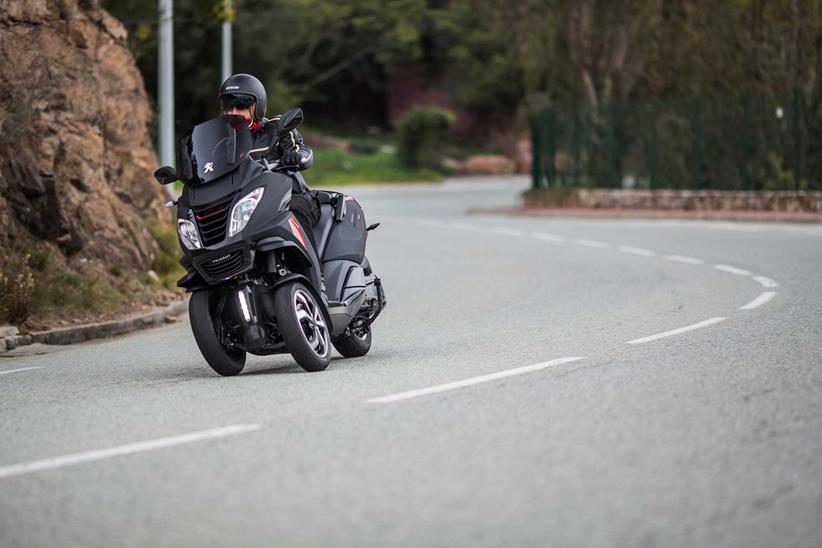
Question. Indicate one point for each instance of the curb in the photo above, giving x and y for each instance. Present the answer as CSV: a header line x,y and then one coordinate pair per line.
x,y
81,333
618,213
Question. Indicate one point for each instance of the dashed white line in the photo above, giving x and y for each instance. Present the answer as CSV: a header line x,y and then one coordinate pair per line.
x,y
673,332
18,370
766,282
591,243
88,456
463,226
732,270
759,301
548,237
431,223
506,231
637,251
469,382
684,259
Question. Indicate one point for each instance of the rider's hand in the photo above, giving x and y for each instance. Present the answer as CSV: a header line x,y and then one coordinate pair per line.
x,y
291,157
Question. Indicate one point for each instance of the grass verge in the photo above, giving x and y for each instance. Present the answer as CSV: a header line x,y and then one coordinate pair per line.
x,y
333,167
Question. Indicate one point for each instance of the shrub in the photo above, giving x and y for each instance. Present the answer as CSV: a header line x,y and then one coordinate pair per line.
x,y
16,286
167,261
422,134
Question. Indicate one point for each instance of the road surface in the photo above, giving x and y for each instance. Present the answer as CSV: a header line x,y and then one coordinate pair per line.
x,y
533,382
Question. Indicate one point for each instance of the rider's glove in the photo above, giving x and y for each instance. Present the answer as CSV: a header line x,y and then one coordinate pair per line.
x,y
291,157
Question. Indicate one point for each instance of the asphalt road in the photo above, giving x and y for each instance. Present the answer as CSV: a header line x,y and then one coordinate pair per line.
x,y
533,382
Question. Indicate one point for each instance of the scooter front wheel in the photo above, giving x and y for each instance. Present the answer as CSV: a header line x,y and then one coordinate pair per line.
x,y
226,362
302,326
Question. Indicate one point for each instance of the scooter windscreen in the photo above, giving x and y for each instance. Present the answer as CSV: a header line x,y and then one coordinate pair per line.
x,y
218,146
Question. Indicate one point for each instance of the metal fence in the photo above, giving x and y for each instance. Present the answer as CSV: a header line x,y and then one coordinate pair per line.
x,y
749,142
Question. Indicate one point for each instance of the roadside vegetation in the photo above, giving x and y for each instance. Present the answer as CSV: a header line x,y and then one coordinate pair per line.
x,y
39,289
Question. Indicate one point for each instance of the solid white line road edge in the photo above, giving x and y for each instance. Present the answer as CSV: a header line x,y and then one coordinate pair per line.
x,y
764,297
472,381
99,454
19,370
673,332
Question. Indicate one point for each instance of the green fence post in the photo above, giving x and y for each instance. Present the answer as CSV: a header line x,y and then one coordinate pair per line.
x,y
696,130
536,154
613,167
550,148
745,155
652,152
797,139
576,145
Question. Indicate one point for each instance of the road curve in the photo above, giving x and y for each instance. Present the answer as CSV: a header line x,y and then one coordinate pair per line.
x,y
533,382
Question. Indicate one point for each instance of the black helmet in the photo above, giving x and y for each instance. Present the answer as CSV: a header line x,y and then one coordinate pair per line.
x,y
245,84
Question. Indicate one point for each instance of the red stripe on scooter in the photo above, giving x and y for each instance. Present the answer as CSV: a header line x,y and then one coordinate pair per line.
x,y
295,228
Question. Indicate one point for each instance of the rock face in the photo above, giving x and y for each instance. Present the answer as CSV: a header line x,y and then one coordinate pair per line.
x,y
76,161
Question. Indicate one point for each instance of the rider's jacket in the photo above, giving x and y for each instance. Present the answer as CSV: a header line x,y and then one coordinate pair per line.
x,y
270,145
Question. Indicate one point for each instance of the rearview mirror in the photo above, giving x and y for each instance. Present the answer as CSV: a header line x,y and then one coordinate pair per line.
x,y
166,175
291,119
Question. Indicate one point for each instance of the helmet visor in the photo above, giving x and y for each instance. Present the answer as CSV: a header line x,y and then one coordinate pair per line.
x,y
240,102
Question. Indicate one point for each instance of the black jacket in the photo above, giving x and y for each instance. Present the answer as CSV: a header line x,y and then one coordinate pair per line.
x,y
270,145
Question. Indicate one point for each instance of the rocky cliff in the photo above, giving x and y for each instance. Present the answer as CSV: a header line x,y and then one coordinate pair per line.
x,y
76,161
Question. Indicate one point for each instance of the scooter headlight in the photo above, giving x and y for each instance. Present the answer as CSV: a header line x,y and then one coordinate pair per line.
x,y
242,211
188,234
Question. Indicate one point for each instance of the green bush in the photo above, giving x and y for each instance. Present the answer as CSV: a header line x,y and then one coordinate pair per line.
x,y
16,287
167,261
422,133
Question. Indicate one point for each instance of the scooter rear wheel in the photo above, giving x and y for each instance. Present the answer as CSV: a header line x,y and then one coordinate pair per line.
x,y
226,362
354,345
302,326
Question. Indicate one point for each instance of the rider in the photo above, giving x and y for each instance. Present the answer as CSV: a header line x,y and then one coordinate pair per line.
x,y
245,95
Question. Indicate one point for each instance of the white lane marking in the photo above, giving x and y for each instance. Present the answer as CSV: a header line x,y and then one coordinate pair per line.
x,y
463,226
506,231
472,381
637,251
18,370
672,332
590,243
548,237
430,222
99,454
732,270
684,259
764,297
766,282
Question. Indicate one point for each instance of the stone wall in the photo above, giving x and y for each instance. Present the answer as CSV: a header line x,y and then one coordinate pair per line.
x,y
76,161
678,200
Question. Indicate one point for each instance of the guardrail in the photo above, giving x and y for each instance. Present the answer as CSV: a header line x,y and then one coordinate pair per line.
x,y
746,142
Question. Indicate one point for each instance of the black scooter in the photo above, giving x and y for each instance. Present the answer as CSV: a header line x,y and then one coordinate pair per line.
x,y
257,283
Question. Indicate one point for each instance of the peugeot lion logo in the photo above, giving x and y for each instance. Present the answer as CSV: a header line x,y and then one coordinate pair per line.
x,y
209,167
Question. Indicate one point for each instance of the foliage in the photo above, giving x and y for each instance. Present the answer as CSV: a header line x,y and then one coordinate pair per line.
x,y
167,261
422,132
16,287
504,62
